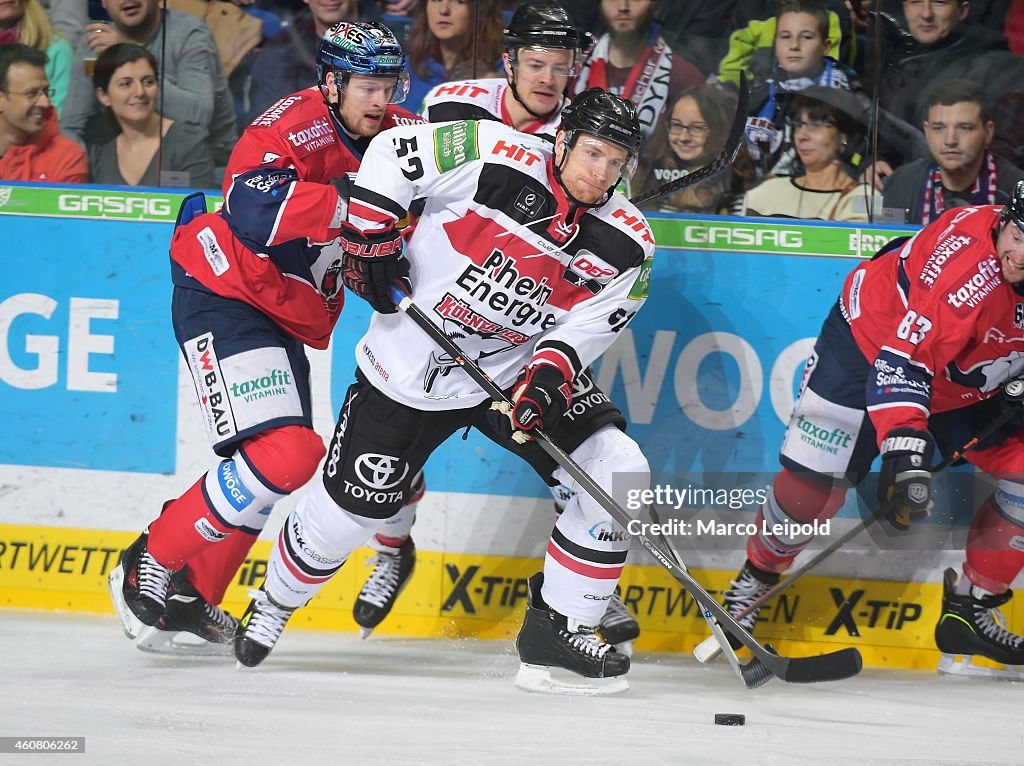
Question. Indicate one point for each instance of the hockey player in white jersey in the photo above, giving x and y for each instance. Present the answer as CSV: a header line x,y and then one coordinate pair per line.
x,y
528,252
542,51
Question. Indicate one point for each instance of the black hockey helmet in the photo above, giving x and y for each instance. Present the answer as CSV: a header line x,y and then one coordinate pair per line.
x,y
1014,209
542,26
605,115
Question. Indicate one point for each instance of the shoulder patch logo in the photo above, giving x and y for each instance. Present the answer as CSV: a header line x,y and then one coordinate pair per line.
x,y
642,285
455,145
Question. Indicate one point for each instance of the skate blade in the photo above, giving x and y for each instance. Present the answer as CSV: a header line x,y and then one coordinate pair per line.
x,y
965,668
180,644
131,624
539,679
365,633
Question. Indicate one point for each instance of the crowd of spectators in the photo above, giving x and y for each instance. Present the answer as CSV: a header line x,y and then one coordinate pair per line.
x,y
859,110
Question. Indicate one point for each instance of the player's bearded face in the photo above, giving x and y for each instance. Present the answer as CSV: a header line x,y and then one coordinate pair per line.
x,y
1010,252
361,103
590,167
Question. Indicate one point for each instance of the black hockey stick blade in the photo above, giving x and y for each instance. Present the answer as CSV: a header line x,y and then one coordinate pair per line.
x,y
796,670
754,673
724,159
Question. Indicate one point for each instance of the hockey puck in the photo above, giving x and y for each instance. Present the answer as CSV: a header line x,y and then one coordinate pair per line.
x,y
730,719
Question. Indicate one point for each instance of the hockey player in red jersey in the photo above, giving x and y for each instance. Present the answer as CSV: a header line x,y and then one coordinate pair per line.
x,y
526,254
541,52
254,284
909,364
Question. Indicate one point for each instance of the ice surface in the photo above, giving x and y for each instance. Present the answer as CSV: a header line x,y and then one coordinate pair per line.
x,y
332,698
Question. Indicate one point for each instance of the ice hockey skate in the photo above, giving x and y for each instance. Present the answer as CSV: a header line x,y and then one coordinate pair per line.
x,y
392,568
190,626
618,626
560,656
259,629
750,584
971,626
138,587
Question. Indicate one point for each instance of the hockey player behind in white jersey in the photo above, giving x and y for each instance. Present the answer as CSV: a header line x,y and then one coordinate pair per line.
x,y
542,53
542,50
528,251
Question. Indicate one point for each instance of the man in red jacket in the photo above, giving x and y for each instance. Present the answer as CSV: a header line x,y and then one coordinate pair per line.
x,y
31,145
254,284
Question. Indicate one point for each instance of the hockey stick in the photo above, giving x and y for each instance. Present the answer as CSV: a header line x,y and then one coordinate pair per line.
x,y
754,673
708,649
724,159
827,667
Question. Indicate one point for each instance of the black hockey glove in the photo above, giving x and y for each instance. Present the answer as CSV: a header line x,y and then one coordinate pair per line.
x,y
371,263
540,396
904,483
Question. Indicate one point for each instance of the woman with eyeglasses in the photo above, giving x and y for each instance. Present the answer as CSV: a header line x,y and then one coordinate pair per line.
x,y
149,149
825,138
694,134
25,22
441,39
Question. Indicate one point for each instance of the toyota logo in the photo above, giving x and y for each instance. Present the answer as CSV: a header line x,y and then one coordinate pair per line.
x,y
375,470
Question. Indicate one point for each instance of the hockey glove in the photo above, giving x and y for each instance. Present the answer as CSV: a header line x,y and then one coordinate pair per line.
x,y
371,263
904,483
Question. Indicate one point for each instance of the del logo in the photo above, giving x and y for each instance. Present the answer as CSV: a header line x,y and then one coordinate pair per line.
x,y
603,531
588,264
1018,316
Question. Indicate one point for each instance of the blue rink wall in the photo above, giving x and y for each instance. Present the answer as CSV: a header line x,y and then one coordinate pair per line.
x,y
705,374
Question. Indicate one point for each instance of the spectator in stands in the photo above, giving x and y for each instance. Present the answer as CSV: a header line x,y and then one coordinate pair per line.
x,y
442,38
824,136
25,22
695,133
752,46
286,63
31,145
798,60
962,170
67,17
942,45
194,87
149,149
632,60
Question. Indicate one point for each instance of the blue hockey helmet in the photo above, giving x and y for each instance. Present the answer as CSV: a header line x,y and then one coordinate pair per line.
x,y
362,48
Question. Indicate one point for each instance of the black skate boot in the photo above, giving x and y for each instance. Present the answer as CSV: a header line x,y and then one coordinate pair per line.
x,y
549,641
392,569
259,629
138,587
750,584
972,625
188,617
618,626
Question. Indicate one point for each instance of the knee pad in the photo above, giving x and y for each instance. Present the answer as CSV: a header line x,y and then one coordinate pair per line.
x,y
795,498
615,462
241,489
995,541
286,458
